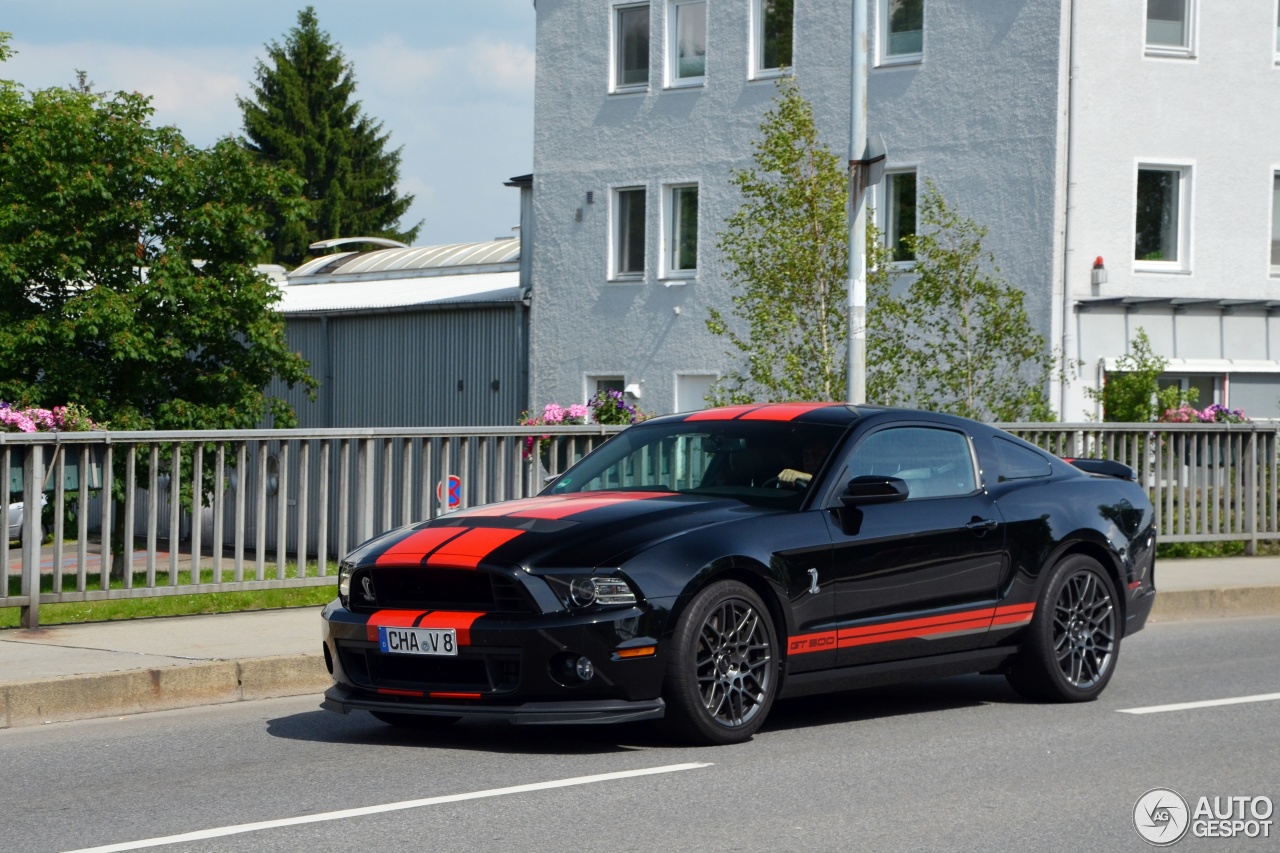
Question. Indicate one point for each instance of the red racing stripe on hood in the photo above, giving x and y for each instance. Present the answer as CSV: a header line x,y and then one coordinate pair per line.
x,y
458,620
583,502
417,545
467,550
391,619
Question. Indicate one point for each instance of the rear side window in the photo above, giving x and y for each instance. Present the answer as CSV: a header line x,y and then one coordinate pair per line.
x,y
1020,463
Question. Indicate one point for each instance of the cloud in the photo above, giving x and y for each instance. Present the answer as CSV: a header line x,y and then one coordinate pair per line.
x,y
480,68
193,89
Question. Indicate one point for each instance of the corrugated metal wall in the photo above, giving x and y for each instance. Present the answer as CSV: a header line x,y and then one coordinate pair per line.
x,y
450,367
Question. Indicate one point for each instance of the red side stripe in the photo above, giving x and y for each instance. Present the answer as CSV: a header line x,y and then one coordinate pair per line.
x,y
782,412
914,624
417,545
725,413
467,550
391,619
460,621
980,623
438,694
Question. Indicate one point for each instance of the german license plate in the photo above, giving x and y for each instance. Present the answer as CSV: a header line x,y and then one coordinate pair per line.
x,y
418,641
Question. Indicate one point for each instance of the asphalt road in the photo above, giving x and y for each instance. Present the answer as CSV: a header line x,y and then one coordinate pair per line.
x,y
951,764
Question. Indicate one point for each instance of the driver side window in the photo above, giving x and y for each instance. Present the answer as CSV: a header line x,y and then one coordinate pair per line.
x,y
933,462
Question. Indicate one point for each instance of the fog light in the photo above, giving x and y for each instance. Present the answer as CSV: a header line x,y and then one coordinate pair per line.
x,y
584,668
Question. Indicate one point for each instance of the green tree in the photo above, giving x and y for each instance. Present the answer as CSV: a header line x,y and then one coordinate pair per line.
x,y
964,342
302,116
127,282
1132,392
786,249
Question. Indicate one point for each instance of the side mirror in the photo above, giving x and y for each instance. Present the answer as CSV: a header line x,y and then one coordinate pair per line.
x,y
874,489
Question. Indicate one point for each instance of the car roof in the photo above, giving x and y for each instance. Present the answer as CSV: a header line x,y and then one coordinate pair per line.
x,y
842,414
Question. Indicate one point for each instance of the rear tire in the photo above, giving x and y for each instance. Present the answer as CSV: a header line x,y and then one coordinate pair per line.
x,y
723,673
1073,641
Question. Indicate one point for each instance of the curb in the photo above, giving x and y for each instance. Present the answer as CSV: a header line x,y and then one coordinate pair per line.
x,y
1215,603
128,692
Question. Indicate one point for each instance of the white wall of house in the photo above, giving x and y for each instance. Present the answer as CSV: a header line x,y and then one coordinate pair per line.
x,y
1210,111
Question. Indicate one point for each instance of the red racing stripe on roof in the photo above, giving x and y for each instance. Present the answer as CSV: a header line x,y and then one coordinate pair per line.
x,y
467,550
782,411
458,620
724,413
417,545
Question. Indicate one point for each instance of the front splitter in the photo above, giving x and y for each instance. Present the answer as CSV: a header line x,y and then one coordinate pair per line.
x,y
607,711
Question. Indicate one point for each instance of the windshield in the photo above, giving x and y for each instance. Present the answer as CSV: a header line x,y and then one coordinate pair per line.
x,y
764,463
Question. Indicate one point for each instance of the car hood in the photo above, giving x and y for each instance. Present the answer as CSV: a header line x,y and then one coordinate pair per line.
x,y
581,530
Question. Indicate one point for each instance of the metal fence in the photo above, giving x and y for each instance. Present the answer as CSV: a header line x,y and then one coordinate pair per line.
x,y
221,511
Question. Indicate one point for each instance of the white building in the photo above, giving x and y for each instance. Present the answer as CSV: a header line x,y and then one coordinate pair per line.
x,y
1139,131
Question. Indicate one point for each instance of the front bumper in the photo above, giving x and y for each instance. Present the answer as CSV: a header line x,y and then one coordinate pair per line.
x,y
344,701
508,667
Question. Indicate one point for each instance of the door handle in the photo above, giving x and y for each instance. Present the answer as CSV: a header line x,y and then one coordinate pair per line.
x,y
981,525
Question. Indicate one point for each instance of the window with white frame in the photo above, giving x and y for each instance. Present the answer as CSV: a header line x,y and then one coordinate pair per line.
x,y
1161,219
901,31
628,234
1170,27
682,231
898,215
597,384
772,35
1278,31
1275,223
686,42
631,47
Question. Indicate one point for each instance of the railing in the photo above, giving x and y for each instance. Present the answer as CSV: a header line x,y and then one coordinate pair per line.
x,y
223,511
208,511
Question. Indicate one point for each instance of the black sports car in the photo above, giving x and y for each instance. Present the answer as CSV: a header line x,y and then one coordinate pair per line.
x,y
700,566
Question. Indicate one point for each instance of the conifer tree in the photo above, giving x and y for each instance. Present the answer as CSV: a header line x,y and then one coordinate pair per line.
x,y
303,116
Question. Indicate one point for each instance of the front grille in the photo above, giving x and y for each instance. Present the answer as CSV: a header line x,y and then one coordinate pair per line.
x,y
434,588
482,672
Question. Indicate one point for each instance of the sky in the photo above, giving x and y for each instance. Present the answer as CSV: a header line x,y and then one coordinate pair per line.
x,y
452,82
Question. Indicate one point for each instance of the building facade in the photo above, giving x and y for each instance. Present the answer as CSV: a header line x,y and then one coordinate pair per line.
x,y
1138,132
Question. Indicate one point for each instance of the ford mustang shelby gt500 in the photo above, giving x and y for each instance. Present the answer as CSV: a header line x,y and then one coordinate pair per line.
x,y
700,566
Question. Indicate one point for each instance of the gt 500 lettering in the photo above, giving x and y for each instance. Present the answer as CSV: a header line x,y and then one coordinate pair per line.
x,y
812,643
418,641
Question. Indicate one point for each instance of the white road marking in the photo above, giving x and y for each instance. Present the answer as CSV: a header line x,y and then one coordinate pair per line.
x,y
204,834
1209,703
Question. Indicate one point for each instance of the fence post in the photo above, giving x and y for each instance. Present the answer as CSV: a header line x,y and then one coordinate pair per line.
x,y
33,486
1251,490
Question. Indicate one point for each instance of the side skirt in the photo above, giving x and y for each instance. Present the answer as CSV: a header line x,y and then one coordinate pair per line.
x,y
872,674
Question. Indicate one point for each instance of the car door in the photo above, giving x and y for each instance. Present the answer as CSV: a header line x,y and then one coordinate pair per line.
x,y
918,576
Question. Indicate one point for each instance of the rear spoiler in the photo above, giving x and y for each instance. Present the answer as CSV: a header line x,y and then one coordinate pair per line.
x,y
1105,467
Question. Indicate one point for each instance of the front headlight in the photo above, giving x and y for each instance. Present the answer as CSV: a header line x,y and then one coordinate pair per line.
x,y
344,584
585,591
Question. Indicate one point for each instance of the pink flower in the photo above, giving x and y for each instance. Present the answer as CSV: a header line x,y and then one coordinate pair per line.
x,y
553,413
578,411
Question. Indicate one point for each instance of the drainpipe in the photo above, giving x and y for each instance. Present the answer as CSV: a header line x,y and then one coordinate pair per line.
x,y
1066,341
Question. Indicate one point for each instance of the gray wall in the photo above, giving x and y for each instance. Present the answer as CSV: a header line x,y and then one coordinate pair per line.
x,y
980,116
403,368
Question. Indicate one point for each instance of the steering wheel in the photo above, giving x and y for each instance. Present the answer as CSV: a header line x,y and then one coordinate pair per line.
x,y
777,483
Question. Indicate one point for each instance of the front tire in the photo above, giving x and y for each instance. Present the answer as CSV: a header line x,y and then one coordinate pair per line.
x,y
723,673
1074,640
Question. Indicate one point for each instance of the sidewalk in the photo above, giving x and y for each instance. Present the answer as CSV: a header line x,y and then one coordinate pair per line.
x,y
109,669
